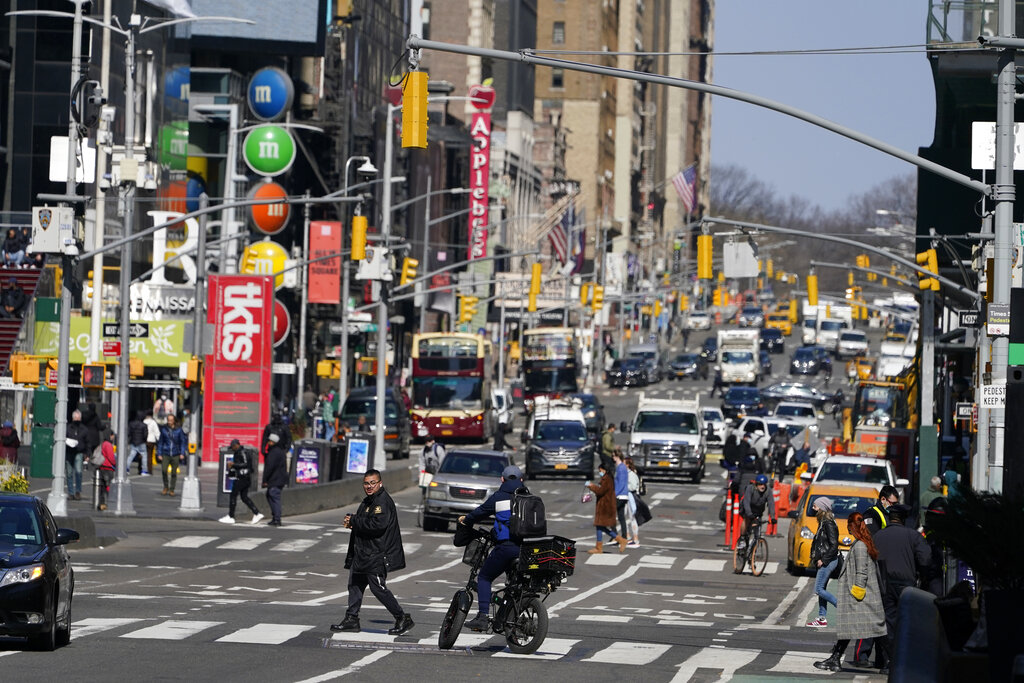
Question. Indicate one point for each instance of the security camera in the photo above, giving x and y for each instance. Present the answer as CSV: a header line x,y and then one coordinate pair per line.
x,y
97,97
71,249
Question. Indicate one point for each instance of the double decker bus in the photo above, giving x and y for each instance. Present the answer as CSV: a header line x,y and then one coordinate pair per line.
x,y
550,363
451,386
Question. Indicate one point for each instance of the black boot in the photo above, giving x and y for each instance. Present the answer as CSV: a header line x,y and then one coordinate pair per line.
x,y
832,663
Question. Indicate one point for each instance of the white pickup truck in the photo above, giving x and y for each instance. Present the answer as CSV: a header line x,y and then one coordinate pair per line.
x,y
667,438
739,359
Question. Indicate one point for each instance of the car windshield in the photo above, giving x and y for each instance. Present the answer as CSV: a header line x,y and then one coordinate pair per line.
x,y
804,353
19,526
792,430
686,358
778,317
852,336
354,407
745,394
849,471
794,411
447,392
832,325
460,462
666,422
559,430
771,334
587,400
751,311
626,364
710,415
646,355
539,380
843,506
737,357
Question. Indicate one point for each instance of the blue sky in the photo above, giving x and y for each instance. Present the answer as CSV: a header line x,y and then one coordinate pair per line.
x,y
887,96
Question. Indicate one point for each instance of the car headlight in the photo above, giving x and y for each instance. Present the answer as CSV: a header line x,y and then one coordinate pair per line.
x,y
633,448
590,414
806,533
437,491
750,375
23,574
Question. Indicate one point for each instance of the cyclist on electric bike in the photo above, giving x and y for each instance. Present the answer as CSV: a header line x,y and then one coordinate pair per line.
x,y
506,549
755,499
779,446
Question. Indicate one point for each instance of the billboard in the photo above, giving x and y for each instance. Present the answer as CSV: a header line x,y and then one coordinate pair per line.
x,y
280,27
236,380
324,276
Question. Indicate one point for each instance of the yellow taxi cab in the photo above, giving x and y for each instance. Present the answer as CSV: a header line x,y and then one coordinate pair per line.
x,y
779,321
894,337
860,367
845,499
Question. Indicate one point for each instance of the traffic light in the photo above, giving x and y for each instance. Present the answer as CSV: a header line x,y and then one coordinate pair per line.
x,y
359,238
193,370
330,369
414,110
863,261
657,307
684,303
24,370
408,270
597,300
812,290
849,278
467,308
770,268
585,293
534,287
760,283
929,260
716,297
136,367
704,251
94,376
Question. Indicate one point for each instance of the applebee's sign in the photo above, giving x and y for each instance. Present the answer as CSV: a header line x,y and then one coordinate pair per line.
x,y
479,169
241,308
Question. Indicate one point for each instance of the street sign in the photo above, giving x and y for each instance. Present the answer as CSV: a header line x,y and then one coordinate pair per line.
x,y
998,320
135,330
964,411
111,348
969,318
993,395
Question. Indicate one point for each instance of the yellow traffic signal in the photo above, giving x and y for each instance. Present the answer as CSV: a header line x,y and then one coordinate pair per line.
x,y
94,376
929,260
136,367
716,297
194,370
705,247
24,370
849,277
812,290
534,287
760,283
585,293
359,224
684,303
414,110
657,307
467,308
408,270
328,368
770,268
597,300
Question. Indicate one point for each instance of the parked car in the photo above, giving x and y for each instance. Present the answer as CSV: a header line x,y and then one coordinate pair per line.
x,y
852,343
845,500
794,391
698,320
742,401
651,356
37,581
766,364
593,412
465,479
750,316
362,401
687,365
780,322
772,341
626,372
805,361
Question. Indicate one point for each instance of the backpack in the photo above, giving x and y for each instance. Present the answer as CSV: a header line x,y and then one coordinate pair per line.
x,y
526,515
161,410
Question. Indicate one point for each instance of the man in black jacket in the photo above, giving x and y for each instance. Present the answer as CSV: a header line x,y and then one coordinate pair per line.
x,y
275,477
240,473
137,433
75,447
276,426
374,549
902,554
12,300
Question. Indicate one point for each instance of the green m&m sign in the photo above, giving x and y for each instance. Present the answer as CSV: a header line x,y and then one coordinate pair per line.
x,y
269,150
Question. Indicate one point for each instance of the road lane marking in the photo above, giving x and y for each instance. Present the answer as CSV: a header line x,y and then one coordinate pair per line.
x,y
266,634
665,496
553,610
700,565
637,654
551,648
172,630
776,616
391,581
190,541
296,546
605,559
657,561
248,543
94,625
800,663
352,668
715,658
604,618
702,497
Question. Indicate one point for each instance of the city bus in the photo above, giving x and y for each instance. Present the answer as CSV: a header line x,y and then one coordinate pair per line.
x,y
451,386
550,363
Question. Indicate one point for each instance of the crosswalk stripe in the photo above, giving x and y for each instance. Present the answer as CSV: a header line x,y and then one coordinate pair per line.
x,y
701,565
771,568
605,559
702,497
657,561
604,618
172,630
637,654
664,496
266,634
551,648
800,663
715,658
465,639
410,548
364,637
93,625
243,544
295,546
190,541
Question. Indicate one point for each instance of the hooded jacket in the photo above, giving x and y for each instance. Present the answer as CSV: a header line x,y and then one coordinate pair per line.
x,y
375,544
500,506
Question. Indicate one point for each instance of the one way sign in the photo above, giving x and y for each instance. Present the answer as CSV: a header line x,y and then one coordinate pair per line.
x,y
135,330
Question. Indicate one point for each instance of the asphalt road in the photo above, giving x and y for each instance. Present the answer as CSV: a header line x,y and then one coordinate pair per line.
x,y
202,601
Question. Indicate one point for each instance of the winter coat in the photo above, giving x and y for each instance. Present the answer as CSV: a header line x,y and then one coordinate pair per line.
x,y
275,470
825,546
499,506
109,459
78,432
172,442
375,544
9,443
865,618
152,430
902,553
604,512
284,435
137,432
242,465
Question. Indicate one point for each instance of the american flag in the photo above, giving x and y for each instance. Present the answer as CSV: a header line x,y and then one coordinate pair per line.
x,y
685,183
559,234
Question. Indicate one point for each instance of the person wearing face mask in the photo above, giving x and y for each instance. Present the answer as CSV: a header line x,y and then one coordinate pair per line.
x,y
604,512
877,517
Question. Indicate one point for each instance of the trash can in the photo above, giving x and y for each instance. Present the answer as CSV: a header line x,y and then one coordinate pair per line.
x,y
42,452
310,462
336,460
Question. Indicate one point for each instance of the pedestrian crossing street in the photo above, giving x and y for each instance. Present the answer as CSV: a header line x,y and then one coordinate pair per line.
x,y
729,660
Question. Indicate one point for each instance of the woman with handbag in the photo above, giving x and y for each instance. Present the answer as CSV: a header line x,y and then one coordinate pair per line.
x,y
604,512
859,613
824,556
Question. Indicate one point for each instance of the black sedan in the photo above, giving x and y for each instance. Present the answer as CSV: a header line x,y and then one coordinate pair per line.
x,y
709,351
772,340
794,391
690,365
766,364
593,412
805,361
36,579
742,401
627,372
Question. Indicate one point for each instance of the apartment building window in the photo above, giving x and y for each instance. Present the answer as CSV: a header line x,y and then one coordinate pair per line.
x,y
558,78
558,33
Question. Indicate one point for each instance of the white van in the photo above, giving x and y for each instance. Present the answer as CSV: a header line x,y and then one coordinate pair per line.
x,y
829,330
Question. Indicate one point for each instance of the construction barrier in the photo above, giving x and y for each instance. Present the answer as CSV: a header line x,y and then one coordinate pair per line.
x,y
773,526
737,524
728,518
782,500
718,317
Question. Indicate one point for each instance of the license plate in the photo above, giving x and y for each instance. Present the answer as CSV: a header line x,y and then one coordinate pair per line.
x,y
561,466
447,420
446,432
664,463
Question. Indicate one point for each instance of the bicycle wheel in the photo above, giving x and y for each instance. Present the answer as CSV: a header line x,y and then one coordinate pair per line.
x,y
451,625
759,557
528,629
739,559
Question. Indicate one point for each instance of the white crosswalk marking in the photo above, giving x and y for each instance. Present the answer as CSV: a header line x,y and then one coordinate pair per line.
x,y
715,658
657,561
243,544
800,663
465,639
606,559
172,630
637,654
604,619
303,527
771,568
365,637
705,565
410,548
343,548
265,634
551,648
190,541
295,546
664,496
93,625
702,497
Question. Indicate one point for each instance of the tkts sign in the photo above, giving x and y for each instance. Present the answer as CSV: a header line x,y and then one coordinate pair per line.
x,y
236,396
479,169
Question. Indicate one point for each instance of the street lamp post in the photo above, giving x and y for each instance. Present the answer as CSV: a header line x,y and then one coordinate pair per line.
x,y
379,458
